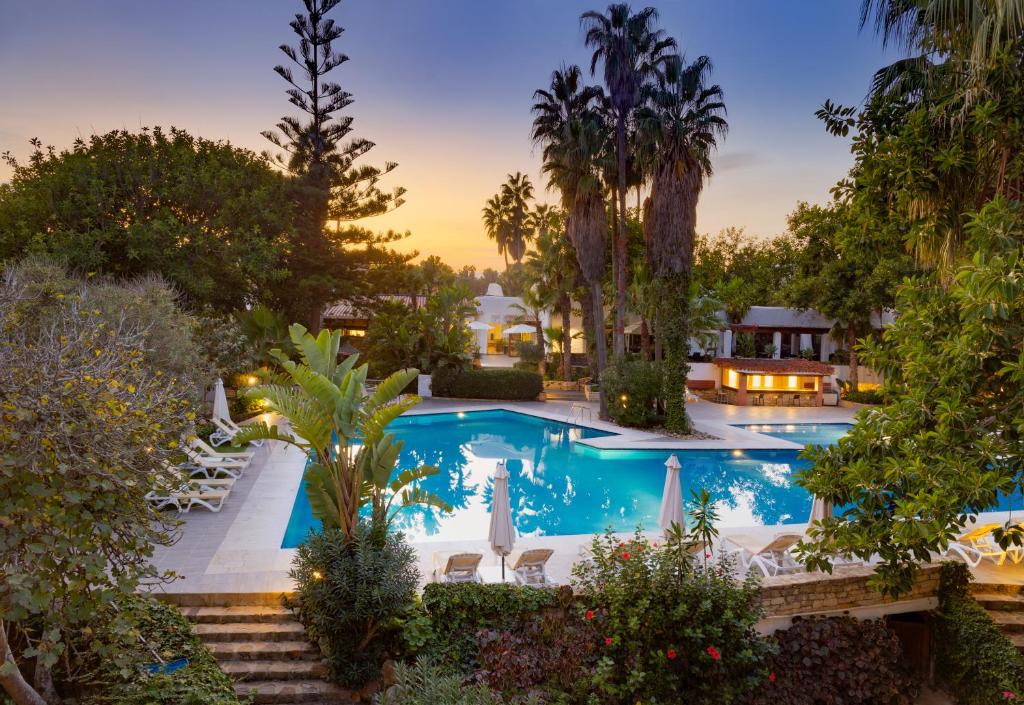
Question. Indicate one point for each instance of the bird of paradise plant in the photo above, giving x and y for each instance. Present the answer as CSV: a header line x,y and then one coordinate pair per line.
x,y
342,428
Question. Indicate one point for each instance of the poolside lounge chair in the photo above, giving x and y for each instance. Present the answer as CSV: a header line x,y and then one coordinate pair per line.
x,y
209,494
976,545
204,448
771,558
206,466
530,569
458,568
226,431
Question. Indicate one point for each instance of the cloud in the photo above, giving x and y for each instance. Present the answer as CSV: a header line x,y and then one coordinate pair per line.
x,y
737,160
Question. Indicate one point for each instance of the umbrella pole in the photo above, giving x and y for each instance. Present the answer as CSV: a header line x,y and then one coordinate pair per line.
x,y
502,567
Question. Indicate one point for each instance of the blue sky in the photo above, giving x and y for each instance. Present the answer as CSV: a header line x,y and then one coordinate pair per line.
x,y
443,88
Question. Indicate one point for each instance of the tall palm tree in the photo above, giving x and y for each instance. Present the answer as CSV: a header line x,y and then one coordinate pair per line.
x,y
631,51
551,271
679,125
496,224
516,194
573,145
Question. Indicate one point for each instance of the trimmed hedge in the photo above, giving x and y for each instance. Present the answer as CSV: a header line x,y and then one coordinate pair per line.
x,y
493,383
976,660
867,396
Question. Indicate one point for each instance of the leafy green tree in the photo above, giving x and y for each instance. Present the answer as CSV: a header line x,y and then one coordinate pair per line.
x,y
329,185
947,442
208,217
342,426
551,273
631,51
87,419
680,124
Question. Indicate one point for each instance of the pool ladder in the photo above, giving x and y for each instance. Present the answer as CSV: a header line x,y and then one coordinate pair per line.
x,y
578,411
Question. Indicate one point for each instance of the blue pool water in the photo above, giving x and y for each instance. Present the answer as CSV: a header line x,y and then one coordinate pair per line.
x,y
821,434
560,487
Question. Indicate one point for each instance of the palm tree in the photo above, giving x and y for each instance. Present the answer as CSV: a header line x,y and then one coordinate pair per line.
x,y
679,125
495,223
343,429
516,194
631,51
551,271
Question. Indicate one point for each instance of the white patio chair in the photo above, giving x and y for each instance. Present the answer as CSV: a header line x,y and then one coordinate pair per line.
x,y
457,568
530,567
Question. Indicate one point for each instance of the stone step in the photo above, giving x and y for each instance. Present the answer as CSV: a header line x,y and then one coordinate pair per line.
x,y
274,670
238,613
997,589
1008,622
246,631
1018,641
1000,602
263,650
288,692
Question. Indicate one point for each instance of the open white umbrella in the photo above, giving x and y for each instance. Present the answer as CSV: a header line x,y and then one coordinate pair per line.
x,y
519,329
672,497
502,534
820,510
479,325
220,401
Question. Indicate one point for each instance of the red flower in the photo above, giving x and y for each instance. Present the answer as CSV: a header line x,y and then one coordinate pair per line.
x,y
1009,695
655,544
608,641
671,654
625,556
771,677
589,614
713,653
707,555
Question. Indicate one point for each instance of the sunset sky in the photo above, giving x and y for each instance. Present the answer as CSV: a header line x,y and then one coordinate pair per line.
x,y
444,88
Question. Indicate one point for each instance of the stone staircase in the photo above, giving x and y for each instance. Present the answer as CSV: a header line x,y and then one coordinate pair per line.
x,y
1005,605
265,650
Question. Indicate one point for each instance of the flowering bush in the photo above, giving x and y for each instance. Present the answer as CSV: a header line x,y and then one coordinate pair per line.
x,y
819,657
670,627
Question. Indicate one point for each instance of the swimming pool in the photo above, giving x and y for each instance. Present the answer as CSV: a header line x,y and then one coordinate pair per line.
x,y
822,434
559,487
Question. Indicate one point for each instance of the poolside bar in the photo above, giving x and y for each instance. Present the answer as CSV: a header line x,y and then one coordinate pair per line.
x,y
772,382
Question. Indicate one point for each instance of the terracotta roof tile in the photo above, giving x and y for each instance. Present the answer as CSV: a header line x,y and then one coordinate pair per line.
x,y
796,366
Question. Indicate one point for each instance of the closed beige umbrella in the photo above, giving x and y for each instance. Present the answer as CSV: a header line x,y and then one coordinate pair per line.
x,y
220,401
672,497
502,535
820,510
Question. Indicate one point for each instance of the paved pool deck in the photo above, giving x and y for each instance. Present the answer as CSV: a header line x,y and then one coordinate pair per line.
x,y
238,550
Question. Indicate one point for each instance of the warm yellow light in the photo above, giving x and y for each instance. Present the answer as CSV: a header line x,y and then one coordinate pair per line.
x,y
357,333
461,414
769,381
317,575
624,398
792,382
737,454
732,379
251,380
265,403
755,381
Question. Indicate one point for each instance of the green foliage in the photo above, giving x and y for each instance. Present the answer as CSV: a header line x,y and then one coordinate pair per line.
x,y
428,683
352,590
671,629
973,657
343,429
745,346
489,383
819,658
207,216
634,389
86,420
170,635
868,396
264,330
952,417
451,615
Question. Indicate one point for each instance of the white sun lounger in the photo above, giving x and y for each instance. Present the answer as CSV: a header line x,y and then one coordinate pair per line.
x,y
226,431
205,466
770,557
204,448
976,545
208,494
530,567
457,567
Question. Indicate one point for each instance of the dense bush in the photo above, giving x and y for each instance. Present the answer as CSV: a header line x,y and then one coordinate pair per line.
x,y
978,663
634,389
427,683
451,615
525,365
867,396
670,628
351,596
821,657
170,635
493,383
551,653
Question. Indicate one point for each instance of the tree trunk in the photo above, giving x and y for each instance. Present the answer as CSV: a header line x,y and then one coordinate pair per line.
x,y
851,344
13,683
619,244
673,326
600,345
645,340
543,364
43,683
565,304
659,349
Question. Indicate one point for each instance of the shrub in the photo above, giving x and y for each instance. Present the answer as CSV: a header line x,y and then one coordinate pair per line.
x,y
868,396
819,657
525,365
670,628
451,615
351,595
531,352
978,663
745,345
521,385
426,683
551,652
634,392
170,635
